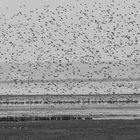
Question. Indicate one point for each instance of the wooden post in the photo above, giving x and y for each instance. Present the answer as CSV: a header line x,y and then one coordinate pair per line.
x,y
60,118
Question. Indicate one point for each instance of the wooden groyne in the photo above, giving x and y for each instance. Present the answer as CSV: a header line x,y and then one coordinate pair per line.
x,y
41,118
28,100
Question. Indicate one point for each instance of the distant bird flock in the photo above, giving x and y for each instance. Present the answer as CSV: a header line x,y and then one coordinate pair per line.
x,y
85,47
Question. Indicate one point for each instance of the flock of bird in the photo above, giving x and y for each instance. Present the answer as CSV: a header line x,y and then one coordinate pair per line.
x,y
77,48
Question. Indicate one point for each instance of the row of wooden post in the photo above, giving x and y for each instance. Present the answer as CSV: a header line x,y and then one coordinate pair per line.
x,y
80,102
37,118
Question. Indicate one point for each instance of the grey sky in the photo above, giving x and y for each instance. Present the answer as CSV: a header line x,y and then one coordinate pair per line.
x,y
119,52
85,31
91,39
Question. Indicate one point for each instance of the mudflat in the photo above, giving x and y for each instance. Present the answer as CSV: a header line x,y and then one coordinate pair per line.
x,y
71,130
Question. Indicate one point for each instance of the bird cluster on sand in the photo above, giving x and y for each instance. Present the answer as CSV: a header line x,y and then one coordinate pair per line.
x,y
71,48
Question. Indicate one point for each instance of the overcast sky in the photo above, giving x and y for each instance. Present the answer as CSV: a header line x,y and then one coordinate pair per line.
x,y
124,46
76,31
60,39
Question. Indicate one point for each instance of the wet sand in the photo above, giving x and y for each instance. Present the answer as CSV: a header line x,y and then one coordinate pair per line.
x,y
71,130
